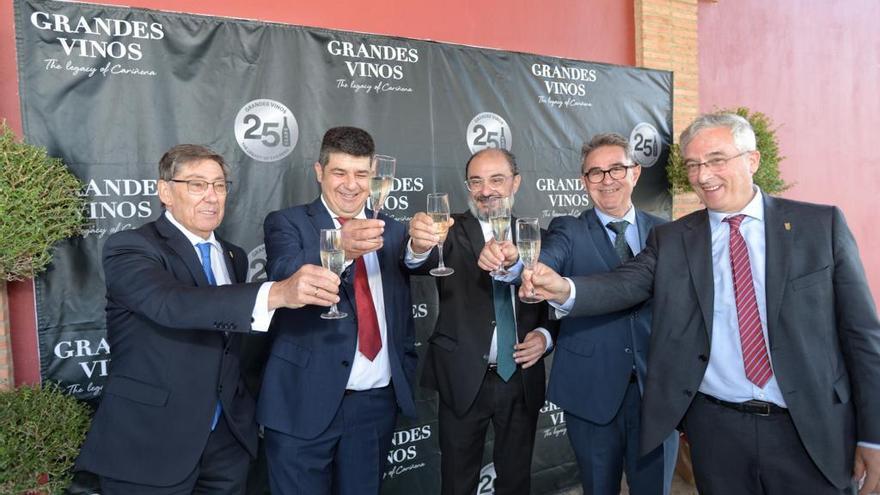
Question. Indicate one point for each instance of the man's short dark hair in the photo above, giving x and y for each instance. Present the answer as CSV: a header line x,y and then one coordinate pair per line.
x,y
511,159
606,139
182,154
349,140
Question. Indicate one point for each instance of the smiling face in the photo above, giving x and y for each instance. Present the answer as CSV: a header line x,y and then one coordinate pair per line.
x,y
198,213
727,189
486,166
345,183
611,196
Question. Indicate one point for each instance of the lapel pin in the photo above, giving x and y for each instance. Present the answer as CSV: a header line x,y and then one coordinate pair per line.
x,y
233,256
787,226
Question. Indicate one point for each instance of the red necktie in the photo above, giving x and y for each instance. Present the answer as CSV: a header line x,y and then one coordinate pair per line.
x,y
369,339
755,358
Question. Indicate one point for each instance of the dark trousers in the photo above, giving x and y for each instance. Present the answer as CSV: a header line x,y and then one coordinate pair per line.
x,y
347,458
604,452
222,469
462,438
735,453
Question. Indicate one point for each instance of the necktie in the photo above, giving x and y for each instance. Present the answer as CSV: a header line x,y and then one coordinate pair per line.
x,y
505,328
621,247
369,338
205,252
756,361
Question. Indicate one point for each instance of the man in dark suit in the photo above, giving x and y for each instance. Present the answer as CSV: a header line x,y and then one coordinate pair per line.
x,y
332,388
765,343
600,362
476,375
175,416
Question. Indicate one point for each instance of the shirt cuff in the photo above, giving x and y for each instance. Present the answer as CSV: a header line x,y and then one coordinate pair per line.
x,y
563,309
413,260
514,272
261,317
548,338
869,445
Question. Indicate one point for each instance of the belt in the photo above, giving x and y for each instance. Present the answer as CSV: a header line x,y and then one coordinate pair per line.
x,y
349,391
756,407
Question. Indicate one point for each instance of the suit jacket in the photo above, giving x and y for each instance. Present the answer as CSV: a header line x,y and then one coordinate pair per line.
x,y
458,350
310,360
824,336
595,355
175,341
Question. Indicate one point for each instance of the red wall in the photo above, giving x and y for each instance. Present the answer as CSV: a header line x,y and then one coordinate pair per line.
x,y
813,66
596,30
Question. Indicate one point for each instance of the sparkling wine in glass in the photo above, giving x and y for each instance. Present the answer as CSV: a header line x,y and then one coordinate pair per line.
x,y
528,243
333,259
499,219
438,210
383,168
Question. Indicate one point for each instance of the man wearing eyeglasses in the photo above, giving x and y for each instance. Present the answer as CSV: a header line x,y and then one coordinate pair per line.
x,y
175,416
600,363
765,344
481,380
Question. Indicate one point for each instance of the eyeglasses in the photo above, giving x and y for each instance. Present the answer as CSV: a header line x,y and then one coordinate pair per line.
x,y
198,186
597,175
494,182
714,164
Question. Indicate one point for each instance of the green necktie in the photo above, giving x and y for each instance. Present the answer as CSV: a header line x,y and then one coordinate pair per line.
x,y
505,326
621,247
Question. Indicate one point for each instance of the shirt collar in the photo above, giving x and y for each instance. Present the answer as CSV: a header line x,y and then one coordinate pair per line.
x,y
754,209
192,238
629,216
361,215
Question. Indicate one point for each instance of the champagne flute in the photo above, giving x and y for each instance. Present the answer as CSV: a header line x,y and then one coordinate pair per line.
x,y
528,243
383,167
333,259
499,218
438,209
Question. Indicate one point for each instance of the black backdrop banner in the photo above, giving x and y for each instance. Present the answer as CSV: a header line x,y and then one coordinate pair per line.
x,y
109,89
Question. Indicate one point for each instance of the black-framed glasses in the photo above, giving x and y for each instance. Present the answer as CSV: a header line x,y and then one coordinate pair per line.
x,y
714,164
199,186
597,175
494,182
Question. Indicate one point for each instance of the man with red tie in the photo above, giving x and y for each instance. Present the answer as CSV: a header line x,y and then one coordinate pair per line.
x,y
332,387
765,344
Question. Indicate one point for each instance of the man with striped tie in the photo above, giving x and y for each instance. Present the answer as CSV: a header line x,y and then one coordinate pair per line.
x,y
765,344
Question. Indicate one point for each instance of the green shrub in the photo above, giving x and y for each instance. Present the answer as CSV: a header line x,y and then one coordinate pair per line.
x,y
40,204
41,430
767,177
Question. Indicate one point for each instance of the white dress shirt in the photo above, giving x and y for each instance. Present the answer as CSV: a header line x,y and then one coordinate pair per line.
x,y
261,316
366,374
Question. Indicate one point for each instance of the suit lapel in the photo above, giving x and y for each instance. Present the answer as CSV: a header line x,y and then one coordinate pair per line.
x,y
184,249
778,243
644,224
698,251
600,238
231,268
474,233
321,219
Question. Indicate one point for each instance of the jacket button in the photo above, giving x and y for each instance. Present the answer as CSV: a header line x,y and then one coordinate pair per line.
x,y
345,363
219,388
703,357
492,323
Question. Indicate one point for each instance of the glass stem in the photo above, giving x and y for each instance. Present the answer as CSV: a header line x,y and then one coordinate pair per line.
x,y
440,253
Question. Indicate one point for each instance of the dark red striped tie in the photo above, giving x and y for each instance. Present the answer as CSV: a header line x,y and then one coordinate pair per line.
x,y
369,339
755,358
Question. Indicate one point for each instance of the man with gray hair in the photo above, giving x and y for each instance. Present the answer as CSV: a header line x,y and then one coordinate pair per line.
x,y
765,343
175,416
600,363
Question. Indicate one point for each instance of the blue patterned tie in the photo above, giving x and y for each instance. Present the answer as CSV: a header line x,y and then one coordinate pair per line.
x,y
505,328
205,252
621,247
